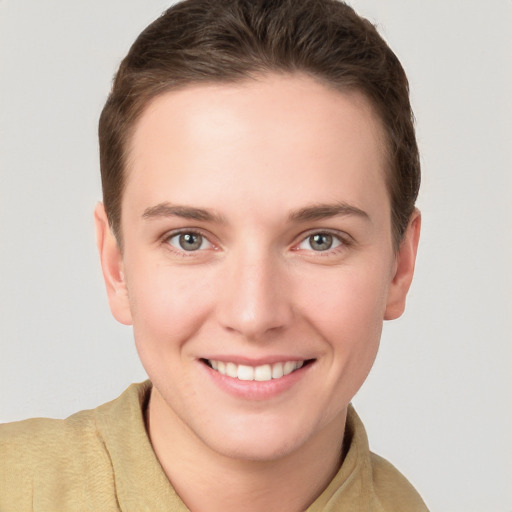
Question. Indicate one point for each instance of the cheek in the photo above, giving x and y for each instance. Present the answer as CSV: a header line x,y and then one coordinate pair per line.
x,y
347,312
345,303
168,305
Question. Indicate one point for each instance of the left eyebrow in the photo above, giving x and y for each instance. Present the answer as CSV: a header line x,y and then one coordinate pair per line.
x,y
166,209
326,211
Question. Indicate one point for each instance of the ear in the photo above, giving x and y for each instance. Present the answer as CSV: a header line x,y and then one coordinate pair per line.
x,y
112,267
404,269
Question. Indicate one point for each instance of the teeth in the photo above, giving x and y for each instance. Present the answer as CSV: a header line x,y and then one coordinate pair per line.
x,y
259,373
277,370
245,372
289,366
263,372
231,370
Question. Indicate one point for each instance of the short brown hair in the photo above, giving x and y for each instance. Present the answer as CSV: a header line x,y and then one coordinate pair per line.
x,y
204,41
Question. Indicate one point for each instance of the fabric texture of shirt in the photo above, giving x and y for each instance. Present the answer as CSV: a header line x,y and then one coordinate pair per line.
x,y
102,460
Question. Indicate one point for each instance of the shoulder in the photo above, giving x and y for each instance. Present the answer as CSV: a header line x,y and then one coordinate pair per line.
x,y
392,490
44,433
376,484
39,439
51,459
70,464
24,443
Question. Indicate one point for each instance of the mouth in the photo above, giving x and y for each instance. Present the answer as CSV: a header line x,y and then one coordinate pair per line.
x,y
261,373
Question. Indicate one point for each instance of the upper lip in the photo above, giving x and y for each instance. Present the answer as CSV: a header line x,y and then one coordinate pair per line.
x,y
237,359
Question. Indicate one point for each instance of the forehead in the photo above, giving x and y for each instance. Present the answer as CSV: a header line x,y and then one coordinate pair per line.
x,y
289,136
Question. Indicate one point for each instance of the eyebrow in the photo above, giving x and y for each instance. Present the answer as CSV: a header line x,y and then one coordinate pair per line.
x,y
166,209
309,213
326,211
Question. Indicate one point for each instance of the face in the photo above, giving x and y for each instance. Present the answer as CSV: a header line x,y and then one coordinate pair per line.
x,y
258,262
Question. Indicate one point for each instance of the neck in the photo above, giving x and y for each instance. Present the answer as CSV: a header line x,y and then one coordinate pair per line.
x,y
208,481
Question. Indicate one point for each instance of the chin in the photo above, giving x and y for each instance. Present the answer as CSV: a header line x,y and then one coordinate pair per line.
x,y
256,449
260,441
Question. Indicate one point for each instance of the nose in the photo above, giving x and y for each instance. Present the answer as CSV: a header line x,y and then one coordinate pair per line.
x,y
254,295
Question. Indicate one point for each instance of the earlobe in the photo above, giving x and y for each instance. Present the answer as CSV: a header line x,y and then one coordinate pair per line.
x,y
405,261
112,267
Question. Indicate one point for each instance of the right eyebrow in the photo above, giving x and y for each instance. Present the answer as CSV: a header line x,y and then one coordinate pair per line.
x,y
325,211
167,209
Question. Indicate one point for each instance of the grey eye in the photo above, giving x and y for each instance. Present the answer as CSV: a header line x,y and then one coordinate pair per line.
x,y
320,241
189,241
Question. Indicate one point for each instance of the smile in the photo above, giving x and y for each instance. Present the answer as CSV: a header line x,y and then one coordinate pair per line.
x,y
260,373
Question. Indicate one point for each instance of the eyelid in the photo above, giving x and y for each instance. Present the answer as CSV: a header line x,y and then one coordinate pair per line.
x,y
193,230
345,239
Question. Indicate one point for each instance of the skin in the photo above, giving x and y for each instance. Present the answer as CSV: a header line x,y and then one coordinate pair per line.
x,y
269,163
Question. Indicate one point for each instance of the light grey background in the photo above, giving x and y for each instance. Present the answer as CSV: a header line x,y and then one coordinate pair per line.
x,y
439,401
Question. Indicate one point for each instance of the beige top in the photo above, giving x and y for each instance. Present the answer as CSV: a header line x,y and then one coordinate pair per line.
x,y
102,460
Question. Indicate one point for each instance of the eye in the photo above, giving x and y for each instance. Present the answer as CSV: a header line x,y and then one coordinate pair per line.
x,y
320,242
189,241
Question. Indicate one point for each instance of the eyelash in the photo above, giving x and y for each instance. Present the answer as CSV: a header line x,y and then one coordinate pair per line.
x,y
166,239
344,242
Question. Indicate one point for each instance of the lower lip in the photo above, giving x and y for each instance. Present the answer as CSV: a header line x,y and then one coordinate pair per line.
x,y
253,389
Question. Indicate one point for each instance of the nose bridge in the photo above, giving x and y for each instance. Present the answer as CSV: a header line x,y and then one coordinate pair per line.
x,y
254,296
